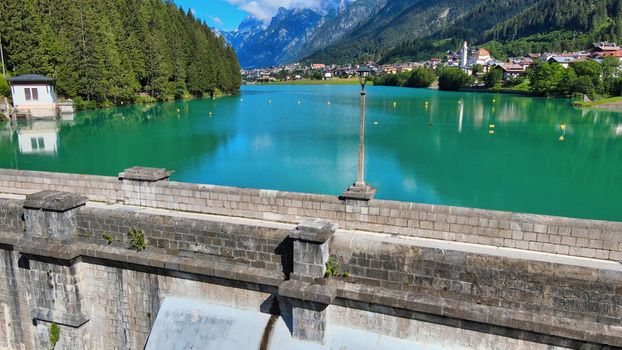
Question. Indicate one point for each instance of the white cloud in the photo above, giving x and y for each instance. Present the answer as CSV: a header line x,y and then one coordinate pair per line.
x,y
217,21
266,9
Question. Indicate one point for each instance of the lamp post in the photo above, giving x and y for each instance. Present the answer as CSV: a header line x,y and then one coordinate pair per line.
x,y
360,190
6,102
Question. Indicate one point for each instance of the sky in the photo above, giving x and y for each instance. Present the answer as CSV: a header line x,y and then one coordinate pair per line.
x,y
221,14
227,14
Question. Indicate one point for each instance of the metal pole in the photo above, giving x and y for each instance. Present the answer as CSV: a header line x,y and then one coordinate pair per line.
x,y
2,57
361,172
6,98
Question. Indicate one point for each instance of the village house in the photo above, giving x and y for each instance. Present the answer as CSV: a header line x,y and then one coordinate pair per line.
x,y
388,69
510,70
606,49
564,61
33,96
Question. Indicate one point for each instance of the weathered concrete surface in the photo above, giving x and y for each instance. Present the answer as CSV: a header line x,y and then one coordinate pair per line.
x,y
198,324
106,296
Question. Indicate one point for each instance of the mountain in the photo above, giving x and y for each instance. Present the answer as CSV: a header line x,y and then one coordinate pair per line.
x,y
278,42
117,51
247,28
418,29
295,33
395,22
343,31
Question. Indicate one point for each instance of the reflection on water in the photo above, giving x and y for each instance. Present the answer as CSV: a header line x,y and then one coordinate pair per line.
x,y
38,137
479,150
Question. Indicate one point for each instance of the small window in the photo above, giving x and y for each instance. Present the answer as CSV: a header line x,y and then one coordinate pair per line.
x,y
35,94
28,96
37,143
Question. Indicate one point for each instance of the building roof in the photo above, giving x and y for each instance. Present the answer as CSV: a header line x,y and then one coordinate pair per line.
x,y
511,67
562,59
482,52
30,78
606,46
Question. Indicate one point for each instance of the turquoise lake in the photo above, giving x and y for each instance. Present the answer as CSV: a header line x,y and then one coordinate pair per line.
x,y
490,151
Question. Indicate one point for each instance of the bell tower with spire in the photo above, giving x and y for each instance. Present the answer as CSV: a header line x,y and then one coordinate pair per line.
x,y
465,54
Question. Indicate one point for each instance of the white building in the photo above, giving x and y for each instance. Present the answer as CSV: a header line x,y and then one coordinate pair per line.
x,y
481,56
33,95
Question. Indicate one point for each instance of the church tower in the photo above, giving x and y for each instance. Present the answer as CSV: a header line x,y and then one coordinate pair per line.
x,y
465,53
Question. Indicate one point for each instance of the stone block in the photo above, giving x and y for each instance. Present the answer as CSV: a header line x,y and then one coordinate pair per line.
x,y
314,230
54,201
138,173
52,215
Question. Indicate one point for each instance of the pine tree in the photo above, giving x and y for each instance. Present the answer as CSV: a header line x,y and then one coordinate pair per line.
x,y
111,50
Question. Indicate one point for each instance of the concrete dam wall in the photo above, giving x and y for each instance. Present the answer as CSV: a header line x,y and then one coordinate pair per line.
x,y
118,263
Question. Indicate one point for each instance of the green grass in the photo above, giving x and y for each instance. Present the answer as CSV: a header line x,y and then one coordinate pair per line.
x,y
598,102
335,81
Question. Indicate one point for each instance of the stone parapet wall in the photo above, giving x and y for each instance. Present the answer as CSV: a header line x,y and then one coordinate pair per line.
x,y
97,188
566,236
582,293
106,295
257,246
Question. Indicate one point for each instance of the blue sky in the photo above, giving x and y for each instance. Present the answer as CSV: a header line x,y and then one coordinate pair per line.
x,y
227,14
217,13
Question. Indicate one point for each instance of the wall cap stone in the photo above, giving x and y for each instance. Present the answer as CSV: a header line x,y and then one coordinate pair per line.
x,y
54,201
318,293
314,230
138,173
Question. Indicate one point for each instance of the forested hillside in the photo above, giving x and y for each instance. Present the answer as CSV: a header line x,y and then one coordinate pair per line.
x,y
117,50
421,29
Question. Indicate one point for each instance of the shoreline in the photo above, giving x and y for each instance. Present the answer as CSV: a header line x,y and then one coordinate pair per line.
x,y
613,104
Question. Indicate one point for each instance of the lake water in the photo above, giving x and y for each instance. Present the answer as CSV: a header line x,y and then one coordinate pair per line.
x,y
477,150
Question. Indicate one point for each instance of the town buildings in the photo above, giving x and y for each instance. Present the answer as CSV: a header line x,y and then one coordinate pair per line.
x,y
467,59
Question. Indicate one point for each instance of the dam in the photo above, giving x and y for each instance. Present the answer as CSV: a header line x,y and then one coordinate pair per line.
x,y
141,262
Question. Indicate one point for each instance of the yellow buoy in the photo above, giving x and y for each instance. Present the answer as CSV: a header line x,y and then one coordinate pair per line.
x,y
394,103
562,126
492,126
491,132
375,123
493,101
177,110
561,138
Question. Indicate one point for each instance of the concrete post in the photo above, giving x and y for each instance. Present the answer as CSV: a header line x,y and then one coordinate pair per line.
x,y
307,295
52,215
311,248
138,184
